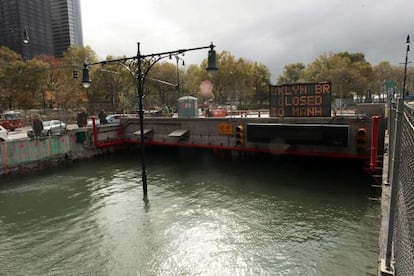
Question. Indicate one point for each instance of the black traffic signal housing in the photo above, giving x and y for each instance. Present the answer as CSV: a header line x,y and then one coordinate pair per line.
x,y
361,139
75,73
240,135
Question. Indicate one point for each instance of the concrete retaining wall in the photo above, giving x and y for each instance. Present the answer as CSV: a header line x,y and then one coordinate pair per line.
x,y
214,133
26,154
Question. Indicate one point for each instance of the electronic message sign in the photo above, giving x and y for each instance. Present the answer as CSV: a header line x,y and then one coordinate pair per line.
x,y
301,100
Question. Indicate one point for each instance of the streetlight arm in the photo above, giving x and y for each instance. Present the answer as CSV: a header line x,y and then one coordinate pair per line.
x,y
157,56
178,52
110,71
163,82
21,72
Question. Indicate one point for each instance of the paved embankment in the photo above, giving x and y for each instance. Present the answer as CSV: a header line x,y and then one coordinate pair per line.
x,y
385,207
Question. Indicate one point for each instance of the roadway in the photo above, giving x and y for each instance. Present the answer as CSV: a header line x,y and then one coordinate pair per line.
x,y
21,133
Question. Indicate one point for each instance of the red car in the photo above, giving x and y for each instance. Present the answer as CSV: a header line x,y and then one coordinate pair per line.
x,y
11,120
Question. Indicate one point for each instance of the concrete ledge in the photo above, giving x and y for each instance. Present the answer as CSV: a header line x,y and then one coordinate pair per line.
x,y
384,271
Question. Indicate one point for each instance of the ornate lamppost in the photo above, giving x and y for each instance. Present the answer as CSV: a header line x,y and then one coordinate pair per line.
x,y
139,67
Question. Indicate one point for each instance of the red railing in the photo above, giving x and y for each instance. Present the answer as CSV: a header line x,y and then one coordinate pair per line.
x,y
373,163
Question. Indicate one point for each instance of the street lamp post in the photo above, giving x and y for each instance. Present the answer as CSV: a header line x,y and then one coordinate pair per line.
x,y
177,58
139,67
112,87
235,89
405,65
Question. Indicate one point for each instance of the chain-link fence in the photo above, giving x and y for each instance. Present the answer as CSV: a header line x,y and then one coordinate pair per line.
x,y
400,242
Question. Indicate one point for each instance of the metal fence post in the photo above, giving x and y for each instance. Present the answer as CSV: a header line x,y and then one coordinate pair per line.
x,y
391,129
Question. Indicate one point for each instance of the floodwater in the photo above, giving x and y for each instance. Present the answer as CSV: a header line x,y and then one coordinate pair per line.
x,y
206,214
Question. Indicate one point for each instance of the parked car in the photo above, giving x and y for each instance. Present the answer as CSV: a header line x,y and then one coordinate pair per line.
x,y
52,127
4,133
116,118
91,124
11,120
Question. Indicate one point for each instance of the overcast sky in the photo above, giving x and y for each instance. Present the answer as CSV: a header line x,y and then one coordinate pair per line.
x,y
272,32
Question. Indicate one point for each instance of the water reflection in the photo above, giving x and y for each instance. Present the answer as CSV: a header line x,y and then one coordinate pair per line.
x,y
206,215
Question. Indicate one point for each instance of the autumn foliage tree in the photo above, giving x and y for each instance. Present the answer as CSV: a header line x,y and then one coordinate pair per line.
x,y
42,82
351,75
238,81
48,82
72,94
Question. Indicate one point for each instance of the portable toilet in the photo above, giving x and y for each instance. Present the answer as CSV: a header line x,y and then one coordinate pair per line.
x,y
187,107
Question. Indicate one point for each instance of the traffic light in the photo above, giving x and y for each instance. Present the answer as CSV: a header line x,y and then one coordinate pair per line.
x,y
361,139
75,73
240,135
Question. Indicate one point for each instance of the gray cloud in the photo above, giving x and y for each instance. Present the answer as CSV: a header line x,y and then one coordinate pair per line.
x,y
273,32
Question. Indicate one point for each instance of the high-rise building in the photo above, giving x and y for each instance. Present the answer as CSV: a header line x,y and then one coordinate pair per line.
x,y
25,27
66,24
34,27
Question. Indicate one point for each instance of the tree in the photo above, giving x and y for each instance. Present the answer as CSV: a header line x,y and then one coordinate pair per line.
x,y
31,84
191,80
161,85
7,57
106,85
261,85
383,73
10,62
410,81
238,81
349,73
72,94
24,82
55,78
292,73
